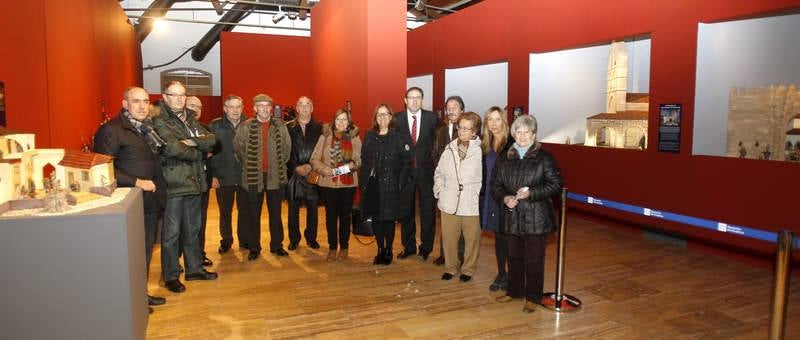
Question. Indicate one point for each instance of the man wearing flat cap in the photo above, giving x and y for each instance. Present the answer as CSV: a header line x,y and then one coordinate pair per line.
x,y
263,147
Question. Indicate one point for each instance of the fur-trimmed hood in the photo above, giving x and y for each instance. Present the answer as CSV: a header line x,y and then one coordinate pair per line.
x,y
327,131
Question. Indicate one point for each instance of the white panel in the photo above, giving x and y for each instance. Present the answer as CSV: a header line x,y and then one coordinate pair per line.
x,y
743,53
481,87
568,86
426,84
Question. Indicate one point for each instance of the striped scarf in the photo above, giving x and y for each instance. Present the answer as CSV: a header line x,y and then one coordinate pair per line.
x,y
253,150
341,154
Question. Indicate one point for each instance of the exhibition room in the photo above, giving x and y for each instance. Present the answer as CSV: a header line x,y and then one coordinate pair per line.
x,y
521,169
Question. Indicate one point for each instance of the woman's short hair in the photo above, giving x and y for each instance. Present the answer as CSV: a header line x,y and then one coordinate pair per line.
x,y
349,119
472,117
526,121
375,126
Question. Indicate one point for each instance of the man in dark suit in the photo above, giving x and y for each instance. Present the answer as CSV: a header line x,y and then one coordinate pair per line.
x,y
305,133
417,127
130,138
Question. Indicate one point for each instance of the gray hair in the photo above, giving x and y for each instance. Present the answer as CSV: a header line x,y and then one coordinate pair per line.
x,y
128,90
526,121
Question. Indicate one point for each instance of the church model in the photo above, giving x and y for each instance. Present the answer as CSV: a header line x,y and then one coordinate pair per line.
x,y
28,173
624,124
764,123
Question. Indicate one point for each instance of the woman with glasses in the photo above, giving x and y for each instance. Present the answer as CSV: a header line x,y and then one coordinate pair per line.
x,y
384,177
457,186
336,157
525,181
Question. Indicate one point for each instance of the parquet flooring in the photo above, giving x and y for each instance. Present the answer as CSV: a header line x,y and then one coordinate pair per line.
x,y
632,288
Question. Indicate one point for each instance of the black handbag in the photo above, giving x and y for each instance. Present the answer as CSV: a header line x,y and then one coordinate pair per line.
x,y
362,225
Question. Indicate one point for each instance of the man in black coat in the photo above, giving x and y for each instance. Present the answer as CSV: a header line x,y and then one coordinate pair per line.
x,y
226,175
130,139
304,133
417,127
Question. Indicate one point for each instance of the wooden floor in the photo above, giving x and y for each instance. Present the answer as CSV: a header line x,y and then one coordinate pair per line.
x,y
631,288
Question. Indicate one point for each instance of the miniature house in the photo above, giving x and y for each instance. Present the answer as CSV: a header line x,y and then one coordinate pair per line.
x,y
624,124
87,169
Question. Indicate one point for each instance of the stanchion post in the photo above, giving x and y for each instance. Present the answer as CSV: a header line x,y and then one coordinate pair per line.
x,y
780,285
558,301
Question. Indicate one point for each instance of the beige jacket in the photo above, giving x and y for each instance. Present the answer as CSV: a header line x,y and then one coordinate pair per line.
x,y
321,157
452,173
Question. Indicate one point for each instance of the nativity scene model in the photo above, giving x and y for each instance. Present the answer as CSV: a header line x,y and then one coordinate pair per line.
x,y
624,123
32,178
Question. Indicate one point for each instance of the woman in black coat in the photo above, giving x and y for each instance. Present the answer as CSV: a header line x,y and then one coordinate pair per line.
x,y
524,181
385,173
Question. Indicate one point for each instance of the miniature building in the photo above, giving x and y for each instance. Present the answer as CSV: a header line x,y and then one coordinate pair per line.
x,y
762,121
624,124
87,169
24,168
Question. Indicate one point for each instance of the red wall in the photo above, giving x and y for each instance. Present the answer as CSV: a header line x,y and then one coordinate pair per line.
x,y
279,66
751,193
58,71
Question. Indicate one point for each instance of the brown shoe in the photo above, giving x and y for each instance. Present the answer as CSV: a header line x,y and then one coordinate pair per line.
x,y
331,255
439,260
504,299
342,254
530,307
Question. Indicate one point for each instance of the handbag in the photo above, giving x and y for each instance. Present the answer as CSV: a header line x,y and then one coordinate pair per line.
x,y
362,225
313,177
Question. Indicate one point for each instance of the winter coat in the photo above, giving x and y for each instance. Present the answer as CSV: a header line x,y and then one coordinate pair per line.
x,y
302,147
223,165
278,146
133,159
387,160
321,157
490,209
457,182
182,164
539,172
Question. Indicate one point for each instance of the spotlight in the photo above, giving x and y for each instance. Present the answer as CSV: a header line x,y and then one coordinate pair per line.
x,y
278,17
420,5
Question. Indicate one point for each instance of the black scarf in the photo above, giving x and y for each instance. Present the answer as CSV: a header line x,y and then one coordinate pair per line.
x,y
145,128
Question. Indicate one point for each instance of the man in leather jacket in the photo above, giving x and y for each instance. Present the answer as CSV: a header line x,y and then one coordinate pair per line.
x,y
304,132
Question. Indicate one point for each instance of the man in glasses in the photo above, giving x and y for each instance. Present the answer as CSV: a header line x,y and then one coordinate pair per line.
x,y
182,163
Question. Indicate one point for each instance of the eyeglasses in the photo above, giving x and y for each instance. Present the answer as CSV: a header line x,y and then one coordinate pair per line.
x,y
461,128
414,98
175,95
383,114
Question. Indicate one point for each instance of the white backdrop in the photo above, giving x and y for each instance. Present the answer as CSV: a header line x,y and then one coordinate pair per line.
x,y
568,86
742,53
481,87
426,84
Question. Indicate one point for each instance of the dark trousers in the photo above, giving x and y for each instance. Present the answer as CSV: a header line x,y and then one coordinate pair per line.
x,y
526,266
274,198
150,229
424,186
338,203
384,234
180,232
311,220
201,239
501,251
225,197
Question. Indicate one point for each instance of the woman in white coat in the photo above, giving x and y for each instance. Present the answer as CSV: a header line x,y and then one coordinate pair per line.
x,y
457,186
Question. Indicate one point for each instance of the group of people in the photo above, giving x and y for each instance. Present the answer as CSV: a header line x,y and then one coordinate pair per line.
x,y
480,173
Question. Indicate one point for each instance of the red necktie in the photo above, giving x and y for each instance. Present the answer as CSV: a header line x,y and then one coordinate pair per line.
x,y
414,129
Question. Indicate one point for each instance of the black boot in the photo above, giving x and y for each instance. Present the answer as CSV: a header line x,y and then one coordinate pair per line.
x,y
387,256
379,258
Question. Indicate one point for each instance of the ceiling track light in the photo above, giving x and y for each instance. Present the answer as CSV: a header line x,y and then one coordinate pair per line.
x,y
278,16
420,5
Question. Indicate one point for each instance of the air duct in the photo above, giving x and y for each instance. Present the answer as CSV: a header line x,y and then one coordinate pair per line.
x,y
212,36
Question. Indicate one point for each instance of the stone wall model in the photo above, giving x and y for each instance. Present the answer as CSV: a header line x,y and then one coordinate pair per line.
x,y
758,121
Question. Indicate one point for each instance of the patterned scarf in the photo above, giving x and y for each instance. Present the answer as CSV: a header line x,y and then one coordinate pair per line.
x,y
145,127
253,150
341,154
